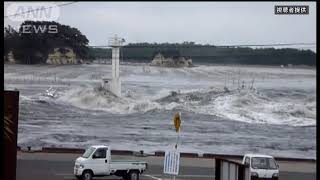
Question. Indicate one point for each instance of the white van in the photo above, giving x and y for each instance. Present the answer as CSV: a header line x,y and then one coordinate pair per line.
x,y
262,167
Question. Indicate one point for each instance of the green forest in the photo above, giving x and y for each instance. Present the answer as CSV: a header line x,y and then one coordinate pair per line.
x,y
144,52
34,46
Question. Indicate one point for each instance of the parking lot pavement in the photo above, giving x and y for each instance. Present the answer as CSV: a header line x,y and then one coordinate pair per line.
x,y
62,170
42,166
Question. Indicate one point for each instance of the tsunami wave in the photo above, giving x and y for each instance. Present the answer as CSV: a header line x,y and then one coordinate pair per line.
x,y
251,106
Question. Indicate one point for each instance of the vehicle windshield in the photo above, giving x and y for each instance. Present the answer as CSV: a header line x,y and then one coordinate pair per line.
x,y
88,152
263,163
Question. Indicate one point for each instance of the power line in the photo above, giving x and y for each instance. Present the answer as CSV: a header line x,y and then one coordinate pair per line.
x,y
41,9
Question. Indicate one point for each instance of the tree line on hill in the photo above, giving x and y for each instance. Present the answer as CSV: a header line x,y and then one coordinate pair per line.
x,y
34,40
144,52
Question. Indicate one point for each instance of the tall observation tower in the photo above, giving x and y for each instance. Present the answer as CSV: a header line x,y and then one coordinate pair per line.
x,y
114,84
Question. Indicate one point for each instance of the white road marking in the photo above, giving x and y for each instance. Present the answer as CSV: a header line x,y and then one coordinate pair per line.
x,y
152,177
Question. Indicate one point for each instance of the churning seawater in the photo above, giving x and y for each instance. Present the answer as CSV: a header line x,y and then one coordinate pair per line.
x,y
225,109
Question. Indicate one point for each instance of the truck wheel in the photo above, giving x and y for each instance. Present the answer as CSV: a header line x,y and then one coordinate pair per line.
x,y
87,175
134,175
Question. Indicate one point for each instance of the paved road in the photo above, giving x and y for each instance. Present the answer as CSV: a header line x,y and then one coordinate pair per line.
x,y
42,168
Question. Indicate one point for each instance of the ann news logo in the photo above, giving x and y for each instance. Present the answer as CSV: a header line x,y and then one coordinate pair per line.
x,y
22,11
291,10
43,11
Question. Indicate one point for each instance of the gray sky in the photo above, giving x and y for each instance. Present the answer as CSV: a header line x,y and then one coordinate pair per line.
x,y
218,23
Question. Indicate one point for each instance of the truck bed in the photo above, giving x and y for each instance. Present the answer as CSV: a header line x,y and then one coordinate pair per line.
x,y
127,165
126,161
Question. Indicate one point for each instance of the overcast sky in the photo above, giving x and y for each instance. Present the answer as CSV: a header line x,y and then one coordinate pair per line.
x,y
218,23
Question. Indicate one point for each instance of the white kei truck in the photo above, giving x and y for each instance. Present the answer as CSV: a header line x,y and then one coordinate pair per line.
x,y
261,167
96,162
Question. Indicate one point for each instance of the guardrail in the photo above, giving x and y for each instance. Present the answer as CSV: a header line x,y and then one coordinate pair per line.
x,y
156,153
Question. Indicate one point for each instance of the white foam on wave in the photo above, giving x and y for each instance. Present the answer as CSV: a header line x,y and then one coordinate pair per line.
x,y
89,98
252,107
25,98
245,105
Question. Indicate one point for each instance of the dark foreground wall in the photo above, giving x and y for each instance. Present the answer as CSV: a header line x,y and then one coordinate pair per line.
x,y
11,112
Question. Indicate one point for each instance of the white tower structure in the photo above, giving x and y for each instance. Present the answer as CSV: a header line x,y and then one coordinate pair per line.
x,y
114,84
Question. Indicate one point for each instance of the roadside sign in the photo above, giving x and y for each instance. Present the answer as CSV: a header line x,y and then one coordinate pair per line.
x,y
171,162
177,121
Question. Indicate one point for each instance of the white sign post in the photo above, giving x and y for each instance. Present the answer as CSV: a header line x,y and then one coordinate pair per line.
x,y
172,158
171,163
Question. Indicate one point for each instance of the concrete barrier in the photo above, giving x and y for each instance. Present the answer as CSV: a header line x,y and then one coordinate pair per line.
x,y
213,156
75,150
28,149
294,159
159,153
62,150
190,155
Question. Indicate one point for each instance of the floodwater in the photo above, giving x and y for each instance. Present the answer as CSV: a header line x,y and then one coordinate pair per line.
x,y
262,109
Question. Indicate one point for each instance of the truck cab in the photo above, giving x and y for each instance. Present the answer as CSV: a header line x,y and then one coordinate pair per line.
x,y
261,167
96,161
